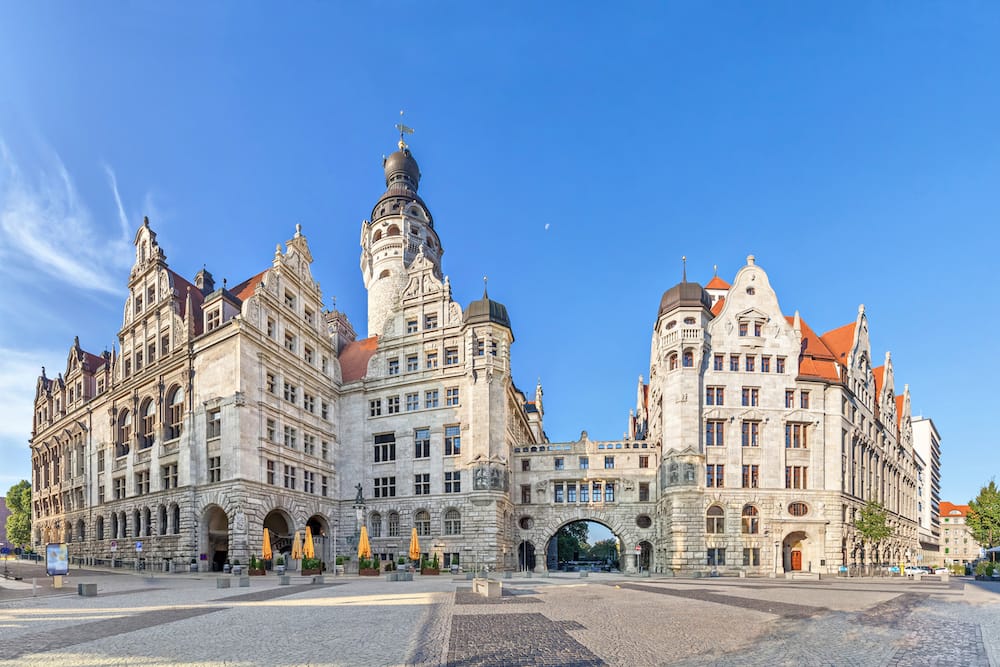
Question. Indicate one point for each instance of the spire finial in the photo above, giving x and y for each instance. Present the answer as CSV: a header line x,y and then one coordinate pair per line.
x,y
485,281
333,300
403,129
715,270
684,274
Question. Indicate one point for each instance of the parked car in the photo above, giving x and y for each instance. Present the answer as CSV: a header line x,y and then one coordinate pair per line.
x,y
910,570
941,570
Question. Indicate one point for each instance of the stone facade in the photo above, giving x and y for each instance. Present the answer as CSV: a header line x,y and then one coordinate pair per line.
x,y
226,412
957,544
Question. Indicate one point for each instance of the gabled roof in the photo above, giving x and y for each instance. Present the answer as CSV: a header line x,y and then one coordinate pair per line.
x,y
840,341
246,289
899,404
355,356
879,378
816,359
717,306
717,283
949,509
185,287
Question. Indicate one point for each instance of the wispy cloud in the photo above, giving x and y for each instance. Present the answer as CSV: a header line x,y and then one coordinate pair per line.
x,y
46,226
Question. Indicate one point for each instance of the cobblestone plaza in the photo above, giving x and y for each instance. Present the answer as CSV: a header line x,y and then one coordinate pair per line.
x,y
562,619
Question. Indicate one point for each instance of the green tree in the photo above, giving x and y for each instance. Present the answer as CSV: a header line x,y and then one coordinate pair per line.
x,y
605,549
19,521
871,524
572,541
983,519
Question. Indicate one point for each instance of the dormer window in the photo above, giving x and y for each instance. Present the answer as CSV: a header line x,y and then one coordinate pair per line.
x,y
211,324
290,300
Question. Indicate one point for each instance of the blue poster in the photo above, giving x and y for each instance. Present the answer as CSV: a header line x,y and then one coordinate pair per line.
x,y
56,560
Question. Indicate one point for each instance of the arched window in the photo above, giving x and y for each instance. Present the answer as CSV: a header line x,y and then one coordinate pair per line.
x,y
69,533
122,525
147,526
175,413
148,425
751,520
114,525
162,519
377,236
688,358
375,524
392,231
452,522
81,530
137,523
99,528
177,520
384,274
124,433
672,362
715,520
422,522
393,524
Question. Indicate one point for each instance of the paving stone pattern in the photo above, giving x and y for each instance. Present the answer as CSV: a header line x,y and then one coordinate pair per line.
x,y
783,609
515,640
464,596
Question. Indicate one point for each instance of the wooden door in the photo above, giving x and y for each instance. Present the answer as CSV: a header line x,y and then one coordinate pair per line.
x,y
796,560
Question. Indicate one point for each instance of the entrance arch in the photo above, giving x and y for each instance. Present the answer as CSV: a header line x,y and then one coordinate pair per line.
x,y
793,549
320,528
645,556
578,558
526,556
279,523
215,536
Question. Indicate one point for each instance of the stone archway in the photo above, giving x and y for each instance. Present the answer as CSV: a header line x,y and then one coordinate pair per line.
x,y
215,536
526,556
625,539
795,552
322,542
282,530
645,556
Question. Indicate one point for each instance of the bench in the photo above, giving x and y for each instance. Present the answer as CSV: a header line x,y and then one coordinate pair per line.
x,y
488,588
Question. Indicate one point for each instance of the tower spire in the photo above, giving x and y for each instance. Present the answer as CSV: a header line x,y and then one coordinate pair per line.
x,y
684,270
403,129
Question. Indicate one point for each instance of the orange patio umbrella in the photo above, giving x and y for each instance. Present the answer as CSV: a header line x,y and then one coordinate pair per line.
x,y
265,552
364,546
309,551
414,545
297,546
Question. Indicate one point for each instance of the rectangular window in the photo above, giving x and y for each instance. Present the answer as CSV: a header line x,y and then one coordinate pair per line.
x,y
751,396
375,408
412,363
804,400
478,347
751,556
559,463
431,398
431,360
559,493
751,476
644,460
138,361
325,410
789,398
271,472
715,430
289,299
718,362
290,341
795,436
214,469
584,493
779,365
453,482
525,465
119,487
716,556
214,319
751,433
308,481
309,444
643,492
392,405
412,402
431,321
290,477
609,462
271,384
422,484
795,477
394,366
325,450
571,492
451,396
609,492
213,424
385,487
744,327
411,326
385,447
525,494
272,329
168,476
309,402
584,462
308,354
450,356
291,437
325,486
715,476
142,483
751,362
421,443
734,362
765,364
452,440
291,393
715,396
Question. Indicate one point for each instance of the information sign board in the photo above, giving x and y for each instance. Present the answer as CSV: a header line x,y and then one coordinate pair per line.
x,y
56,559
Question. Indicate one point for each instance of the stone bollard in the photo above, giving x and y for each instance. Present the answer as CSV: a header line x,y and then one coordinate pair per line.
x,y
284,580
318,579
244,581
222,582
86,590
584,573
392,576
945,577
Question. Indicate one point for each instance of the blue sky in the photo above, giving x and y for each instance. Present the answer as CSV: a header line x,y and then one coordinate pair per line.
x,y
571,153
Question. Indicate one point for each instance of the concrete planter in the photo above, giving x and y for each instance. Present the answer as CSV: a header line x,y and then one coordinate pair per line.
x,y
284,580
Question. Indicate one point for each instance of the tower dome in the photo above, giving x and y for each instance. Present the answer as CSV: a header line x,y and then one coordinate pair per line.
x,y
402,178
685,294
487,310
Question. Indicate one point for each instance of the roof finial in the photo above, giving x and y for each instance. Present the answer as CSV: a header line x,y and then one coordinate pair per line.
x,y
684,274
715,270
485,281
333,300
403,129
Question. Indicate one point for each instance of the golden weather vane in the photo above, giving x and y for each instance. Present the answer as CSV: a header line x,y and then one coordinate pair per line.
x,y
403,130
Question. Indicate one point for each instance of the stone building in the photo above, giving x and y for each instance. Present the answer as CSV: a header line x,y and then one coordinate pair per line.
x,y
228,411
958,546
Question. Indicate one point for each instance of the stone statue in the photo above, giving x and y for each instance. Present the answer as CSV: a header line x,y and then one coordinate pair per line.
x,y
360,498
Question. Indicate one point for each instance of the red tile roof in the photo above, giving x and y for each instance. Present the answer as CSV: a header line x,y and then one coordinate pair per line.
x,y
816,359
899,405
245,289
946,509
183,288
879,373
840,341
717,283
717,306
355,356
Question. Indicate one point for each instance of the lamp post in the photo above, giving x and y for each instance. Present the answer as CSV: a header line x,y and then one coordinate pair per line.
x,y
777,554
